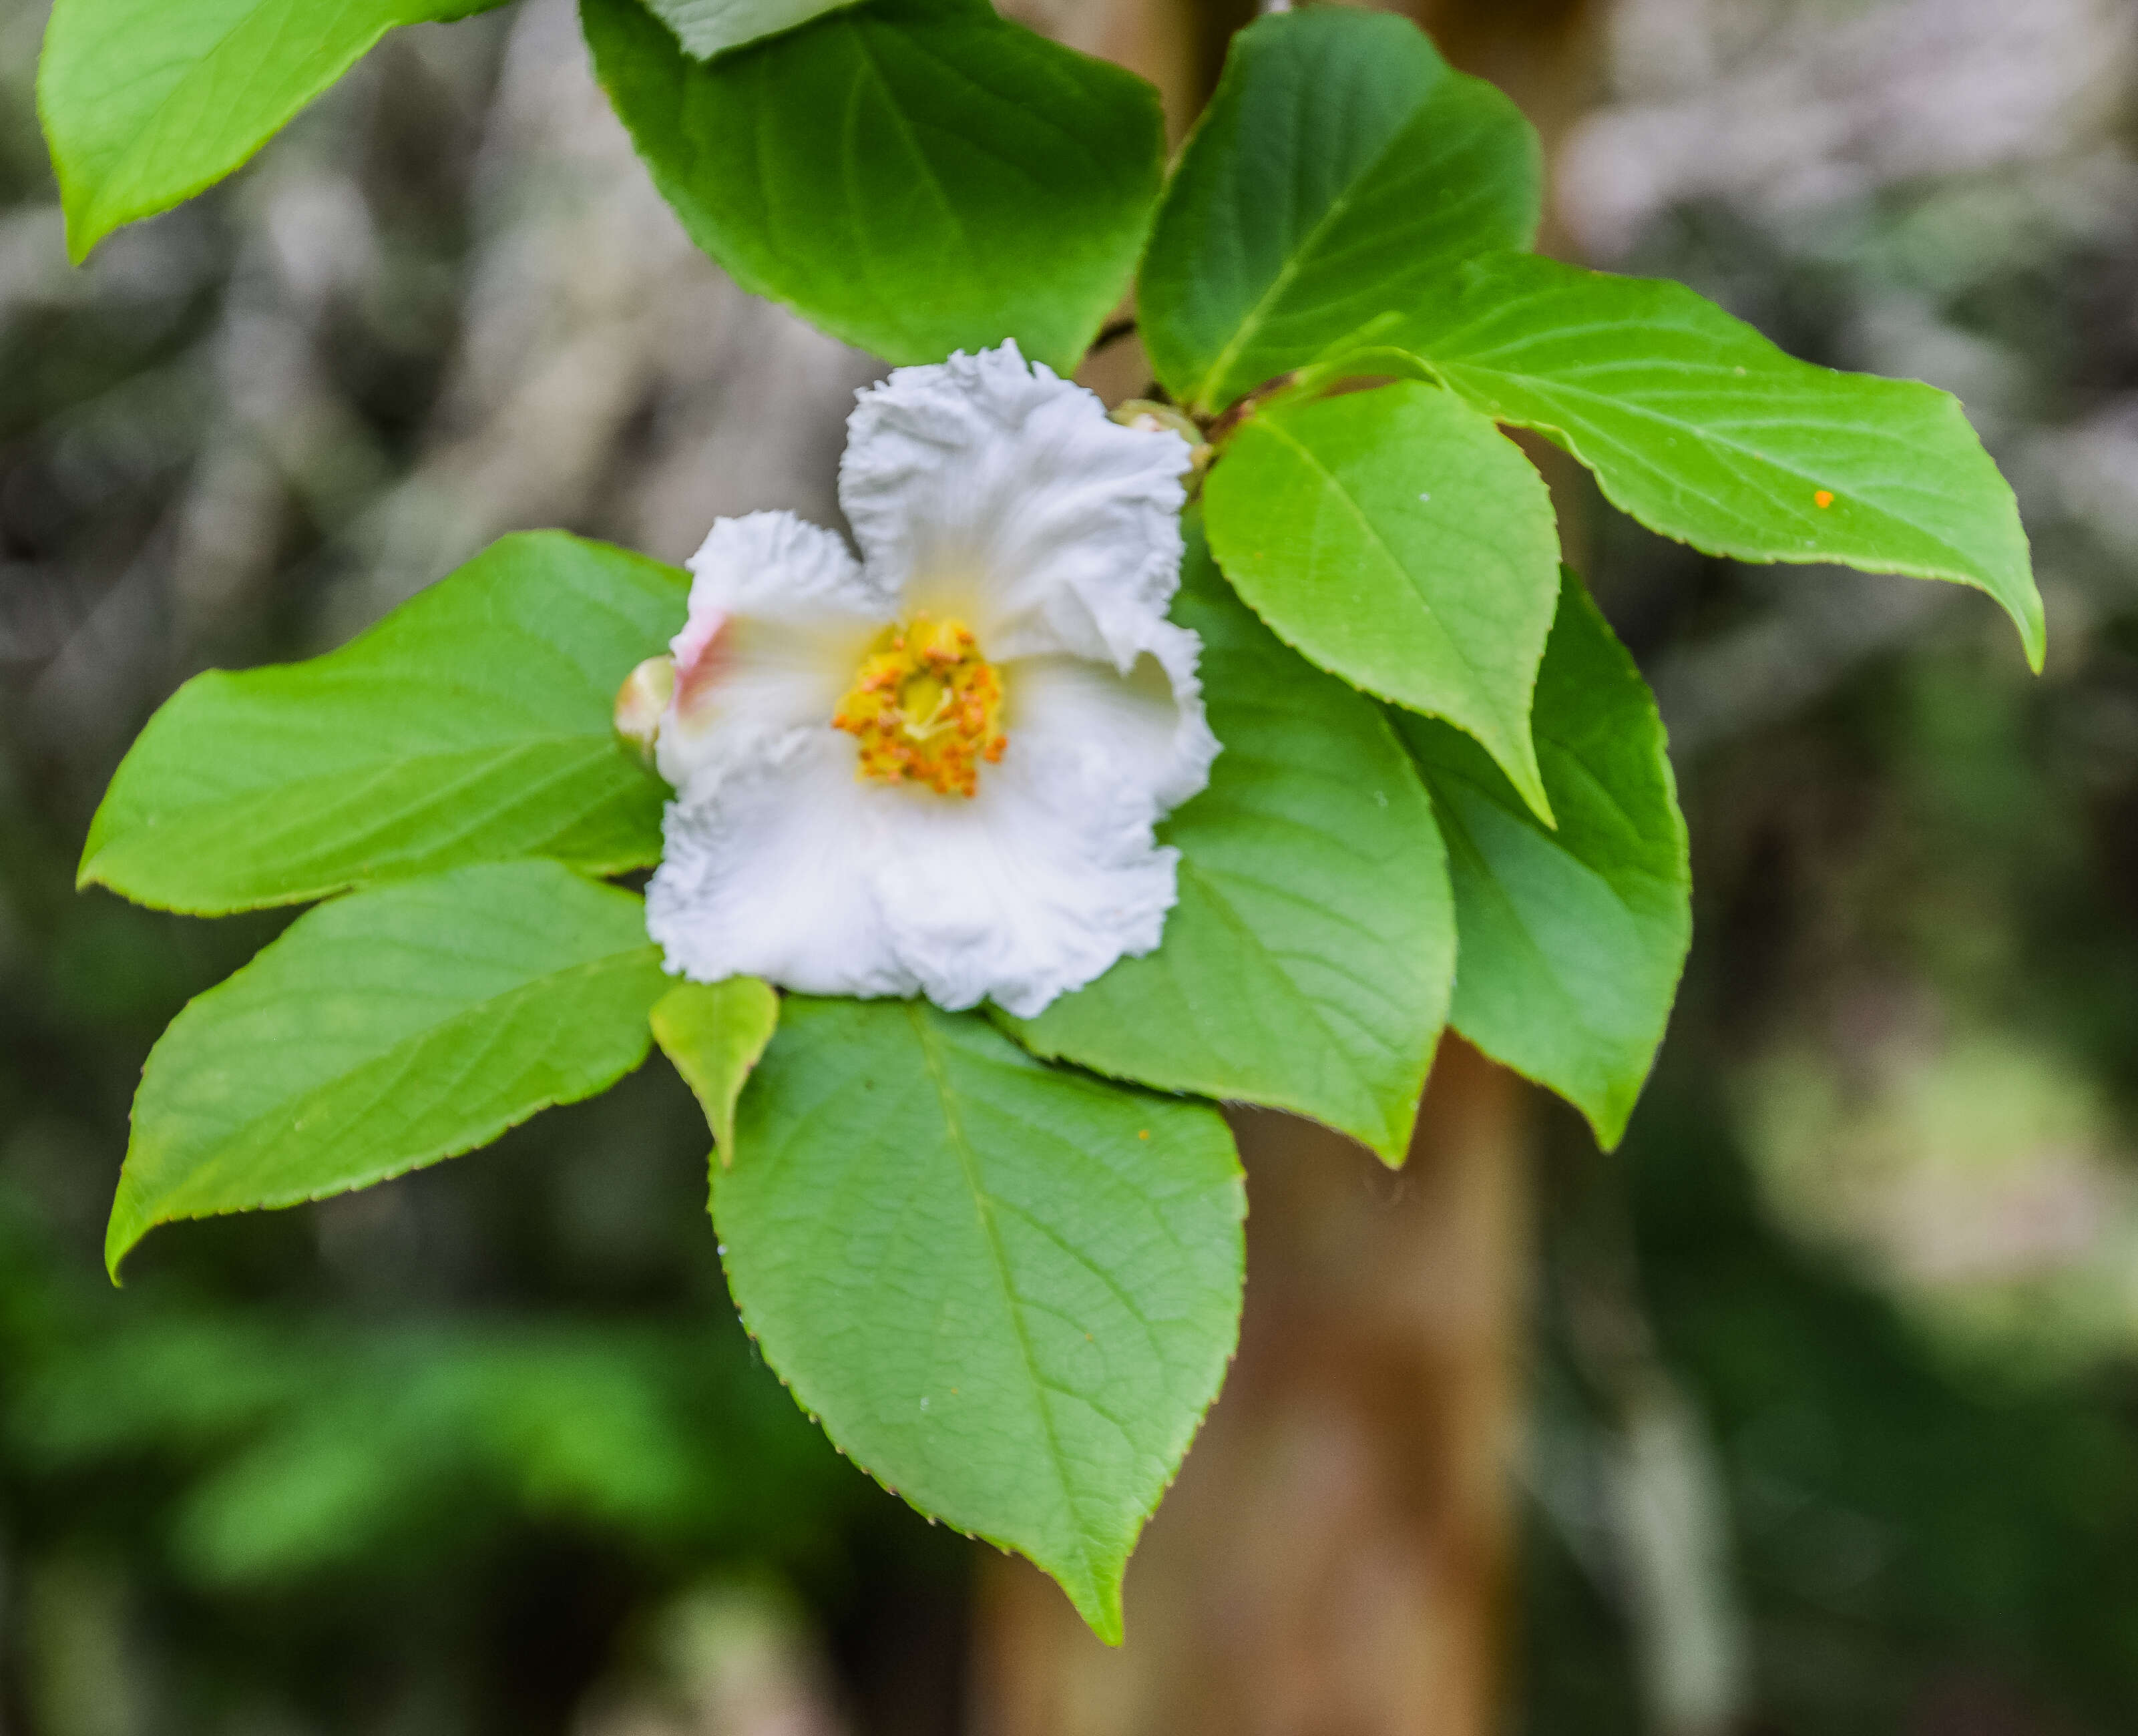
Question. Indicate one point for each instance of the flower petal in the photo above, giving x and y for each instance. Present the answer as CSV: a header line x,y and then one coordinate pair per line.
x,y
998,492
772,875
781,614
1032,888
1148,725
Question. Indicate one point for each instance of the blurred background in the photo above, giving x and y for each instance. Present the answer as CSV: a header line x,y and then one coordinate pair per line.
x,y
1817,1404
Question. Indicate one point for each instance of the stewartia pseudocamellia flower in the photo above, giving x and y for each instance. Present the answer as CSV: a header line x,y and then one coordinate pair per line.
x,y
935,770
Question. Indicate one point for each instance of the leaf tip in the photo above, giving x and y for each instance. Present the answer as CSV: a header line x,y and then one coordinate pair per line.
x,y
1099,1605
1527,778
716,1034
84,224
1608,1121
1391,1144
122,1235
2033,631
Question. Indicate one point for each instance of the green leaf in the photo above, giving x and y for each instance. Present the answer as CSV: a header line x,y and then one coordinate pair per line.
x,y
1701,429
914,176
1008,1290
1398,539
384,1032
708,28
1572,939
1308,963
715,1033
145,102
1339,165
474,724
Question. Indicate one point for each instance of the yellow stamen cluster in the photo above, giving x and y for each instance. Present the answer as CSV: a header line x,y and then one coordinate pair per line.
x,y
926,707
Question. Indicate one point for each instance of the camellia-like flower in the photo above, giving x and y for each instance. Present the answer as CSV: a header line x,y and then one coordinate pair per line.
x,y
936,770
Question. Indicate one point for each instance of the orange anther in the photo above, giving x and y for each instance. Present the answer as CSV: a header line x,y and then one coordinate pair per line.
x,y
923,709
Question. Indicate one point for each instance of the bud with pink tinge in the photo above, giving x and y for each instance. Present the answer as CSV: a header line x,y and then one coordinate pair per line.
x,y
641,700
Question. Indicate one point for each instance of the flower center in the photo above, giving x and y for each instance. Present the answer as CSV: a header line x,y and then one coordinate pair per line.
x,y
925,707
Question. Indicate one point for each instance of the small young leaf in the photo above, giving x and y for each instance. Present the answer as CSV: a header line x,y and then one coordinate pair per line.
x,y
715,1033
383,1032
145,102
1701,429
1008,1290
1340,164
1308,963
914,176
708,28
472,724
1398,539
1572,939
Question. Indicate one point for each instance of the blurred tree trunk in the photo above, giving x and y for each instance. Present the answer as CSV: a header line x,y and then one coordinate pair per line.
x,y
1334,1561
1333,1558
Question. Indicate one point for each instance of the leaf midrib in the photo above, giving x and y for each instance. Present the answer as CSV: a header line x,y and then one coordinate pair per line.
x,y
493,1007
499,755
359,852
1256,316
969,1165
1411,586
125,160
1548,387
1456,831
123,157
1303,1001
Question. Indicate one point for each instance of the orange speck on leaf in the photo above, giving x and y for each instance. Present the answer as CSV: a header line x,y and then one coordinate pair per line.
x,y
1824,499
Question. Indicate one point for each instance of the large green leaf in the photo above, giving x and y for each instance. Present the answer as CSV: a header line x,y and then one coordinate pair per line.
x,y
1339,165
145,102
1572,939
708,28
1308,963
916,176
383,1032
474,724
1701,429
1007,1289
1398,539
715,1033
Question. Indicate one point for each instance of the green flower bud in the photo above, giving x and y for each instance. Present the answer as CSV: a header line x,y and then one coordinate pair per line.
x,y
1152,416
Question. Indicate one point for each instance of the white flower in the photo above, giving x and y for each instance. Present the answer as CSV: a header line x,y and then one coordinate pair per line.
x,y
937,770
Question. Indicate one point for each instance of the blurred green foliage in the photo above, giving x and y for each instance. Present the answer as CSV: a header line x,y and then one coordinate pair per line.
x,y
1869,1225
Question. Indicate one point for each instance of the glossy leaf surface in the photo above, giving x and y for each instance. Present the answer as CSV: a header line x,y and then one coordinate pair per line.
x,y
914,176
708,28
474,724
1308,963
385,1031
715,1033
1398,539
1341,165
1008,1290
1701,429
146,102
1572,939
